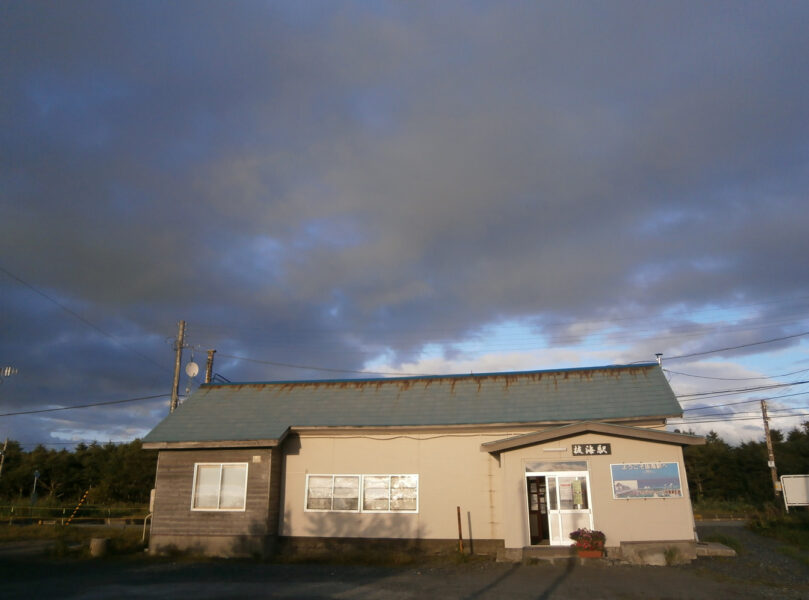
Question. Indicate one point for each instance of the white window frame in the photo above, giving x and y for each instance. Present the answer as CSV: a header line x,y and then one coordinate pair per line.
x,y
219,489
361,493
333,476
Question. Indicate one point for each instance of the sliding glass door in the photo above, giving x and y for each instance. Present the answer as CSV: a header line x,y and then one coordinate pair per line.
x,y
558,503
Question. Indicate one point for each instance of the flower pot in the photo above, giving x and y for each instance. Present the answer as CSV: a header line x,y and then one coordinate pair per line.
x,y
589,553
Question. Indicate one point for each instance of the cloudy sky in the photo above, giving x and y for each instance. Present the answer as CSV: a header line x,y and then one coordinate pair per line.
x,y
408,187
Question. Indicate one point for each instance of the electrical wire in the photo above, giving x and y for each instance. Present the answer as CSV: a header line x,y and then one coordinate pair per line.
x,y
736,419
82,319
770,341
46,410
718,393
746,401
735,378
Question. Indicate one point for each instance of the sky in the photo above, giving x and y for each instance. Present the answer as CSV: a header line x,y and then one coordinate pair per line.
x,y
326,189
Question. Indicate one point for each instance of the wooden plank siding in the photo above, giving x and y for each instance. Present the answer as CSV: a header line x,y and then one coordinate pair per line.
x,y
173,518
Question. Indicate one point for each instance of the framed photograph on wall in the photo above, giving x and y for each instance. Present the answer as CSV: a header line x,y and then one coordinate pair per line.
x,y
646,480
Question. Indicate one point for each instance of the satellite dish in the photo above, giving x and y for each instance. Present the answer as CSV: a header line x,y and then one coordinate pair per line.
x,y
192,369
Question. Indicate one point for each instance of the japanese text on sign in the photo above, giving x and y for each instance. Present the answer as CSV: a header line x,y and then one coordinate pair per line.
x,y
592,449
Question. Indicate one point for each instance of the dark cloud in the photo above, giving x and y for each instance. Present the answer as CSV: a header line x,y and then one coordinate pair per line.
x,y
328,183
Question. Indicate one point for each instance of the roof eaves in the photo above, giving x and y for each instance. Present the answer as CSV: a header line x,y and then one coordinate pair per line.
x,y
626,431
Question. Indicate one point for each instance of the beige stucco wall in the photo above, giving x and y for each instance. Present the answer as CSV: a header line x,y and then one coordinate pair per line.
x,y
452,472
624,520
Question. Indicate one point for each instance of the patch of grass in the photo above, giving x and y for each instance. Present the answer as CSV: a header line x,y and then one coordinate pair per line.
x,y
672,555
792,529
713,509
125,540
725,540
795,553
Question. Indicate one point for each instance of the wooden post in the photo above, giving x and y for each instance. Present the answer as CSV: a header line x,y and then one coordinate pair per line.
x,y
209,366
3,456
770,454
460,533
175,388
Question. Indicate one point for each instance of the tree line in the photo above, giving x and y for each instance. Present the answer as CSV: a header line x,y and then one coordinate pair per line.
x,y
124,473
113,474
719,471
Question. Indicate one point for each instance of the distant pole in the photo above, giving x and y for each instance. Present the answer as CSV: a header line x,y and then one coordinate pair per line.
x,y
209,366
178,347
460,533
3,457
770,455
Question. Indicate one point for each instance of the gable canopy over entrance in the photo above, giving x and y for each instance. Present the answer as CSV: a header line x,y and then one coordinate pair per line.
x,y
623,431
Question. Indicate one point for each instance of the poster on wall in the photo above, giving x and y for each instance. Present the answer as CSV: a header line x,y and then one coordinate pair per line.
x,y
646,480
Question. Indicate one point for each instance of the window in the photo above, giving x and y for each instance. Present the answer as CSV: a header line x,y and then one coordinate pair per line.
x,y
333,492
219,486
380,493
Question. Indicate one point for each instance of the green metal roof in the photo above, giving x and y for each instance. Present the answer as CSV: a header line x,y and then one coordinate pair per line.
x,y
265,411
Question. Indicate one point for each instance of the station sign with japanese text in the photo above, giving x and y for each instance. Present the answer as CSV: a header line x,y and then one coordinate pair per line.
x,y
592,449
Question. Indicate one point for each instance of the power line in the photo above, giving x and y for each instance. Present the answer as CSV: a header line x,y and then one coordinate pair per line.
x,y
689,418
746,401
718,393
80,318
756,418
45,410
720,405
735,378
778,339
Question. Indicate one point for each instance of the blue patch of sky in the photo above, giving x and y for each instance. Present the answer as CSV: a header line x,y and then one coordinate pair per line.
x,y
775,362
375,109
663,220
335,233
77,104
510,335
257,258
708,314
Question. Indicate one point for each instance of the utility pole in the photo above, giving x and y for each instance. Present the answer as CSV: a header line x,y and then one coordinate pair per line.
x,y
770,455
3,456
178,347
209,366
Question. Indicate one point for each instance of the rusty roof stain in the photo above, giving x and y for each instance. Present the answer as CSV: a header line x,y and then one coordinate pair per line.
x,y
264,410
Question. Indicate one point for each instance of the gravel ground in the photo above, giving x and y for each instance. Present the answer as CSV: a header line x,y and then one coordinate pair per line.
x,y
761,561
761,571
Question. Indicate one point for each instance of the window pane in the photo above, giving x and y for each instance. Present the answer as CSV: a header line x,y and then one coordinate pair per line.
x,y
552,493
207,491
404,502
233,484
346,493
580,493
572,493
319,493
376,492
319,504
404,492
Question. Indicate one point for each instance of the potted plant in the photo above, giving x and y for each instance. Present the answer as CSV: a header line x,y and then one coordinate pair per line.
x,y
589,542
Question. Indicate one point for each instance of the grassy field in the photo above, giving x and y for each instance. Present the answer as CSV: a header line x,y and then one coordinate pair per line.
x,y
724,509
791,529
75,539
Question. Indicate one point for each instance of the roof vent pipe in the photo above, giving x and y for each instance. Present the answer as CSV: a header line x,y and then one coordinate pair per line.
x,y
659,357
